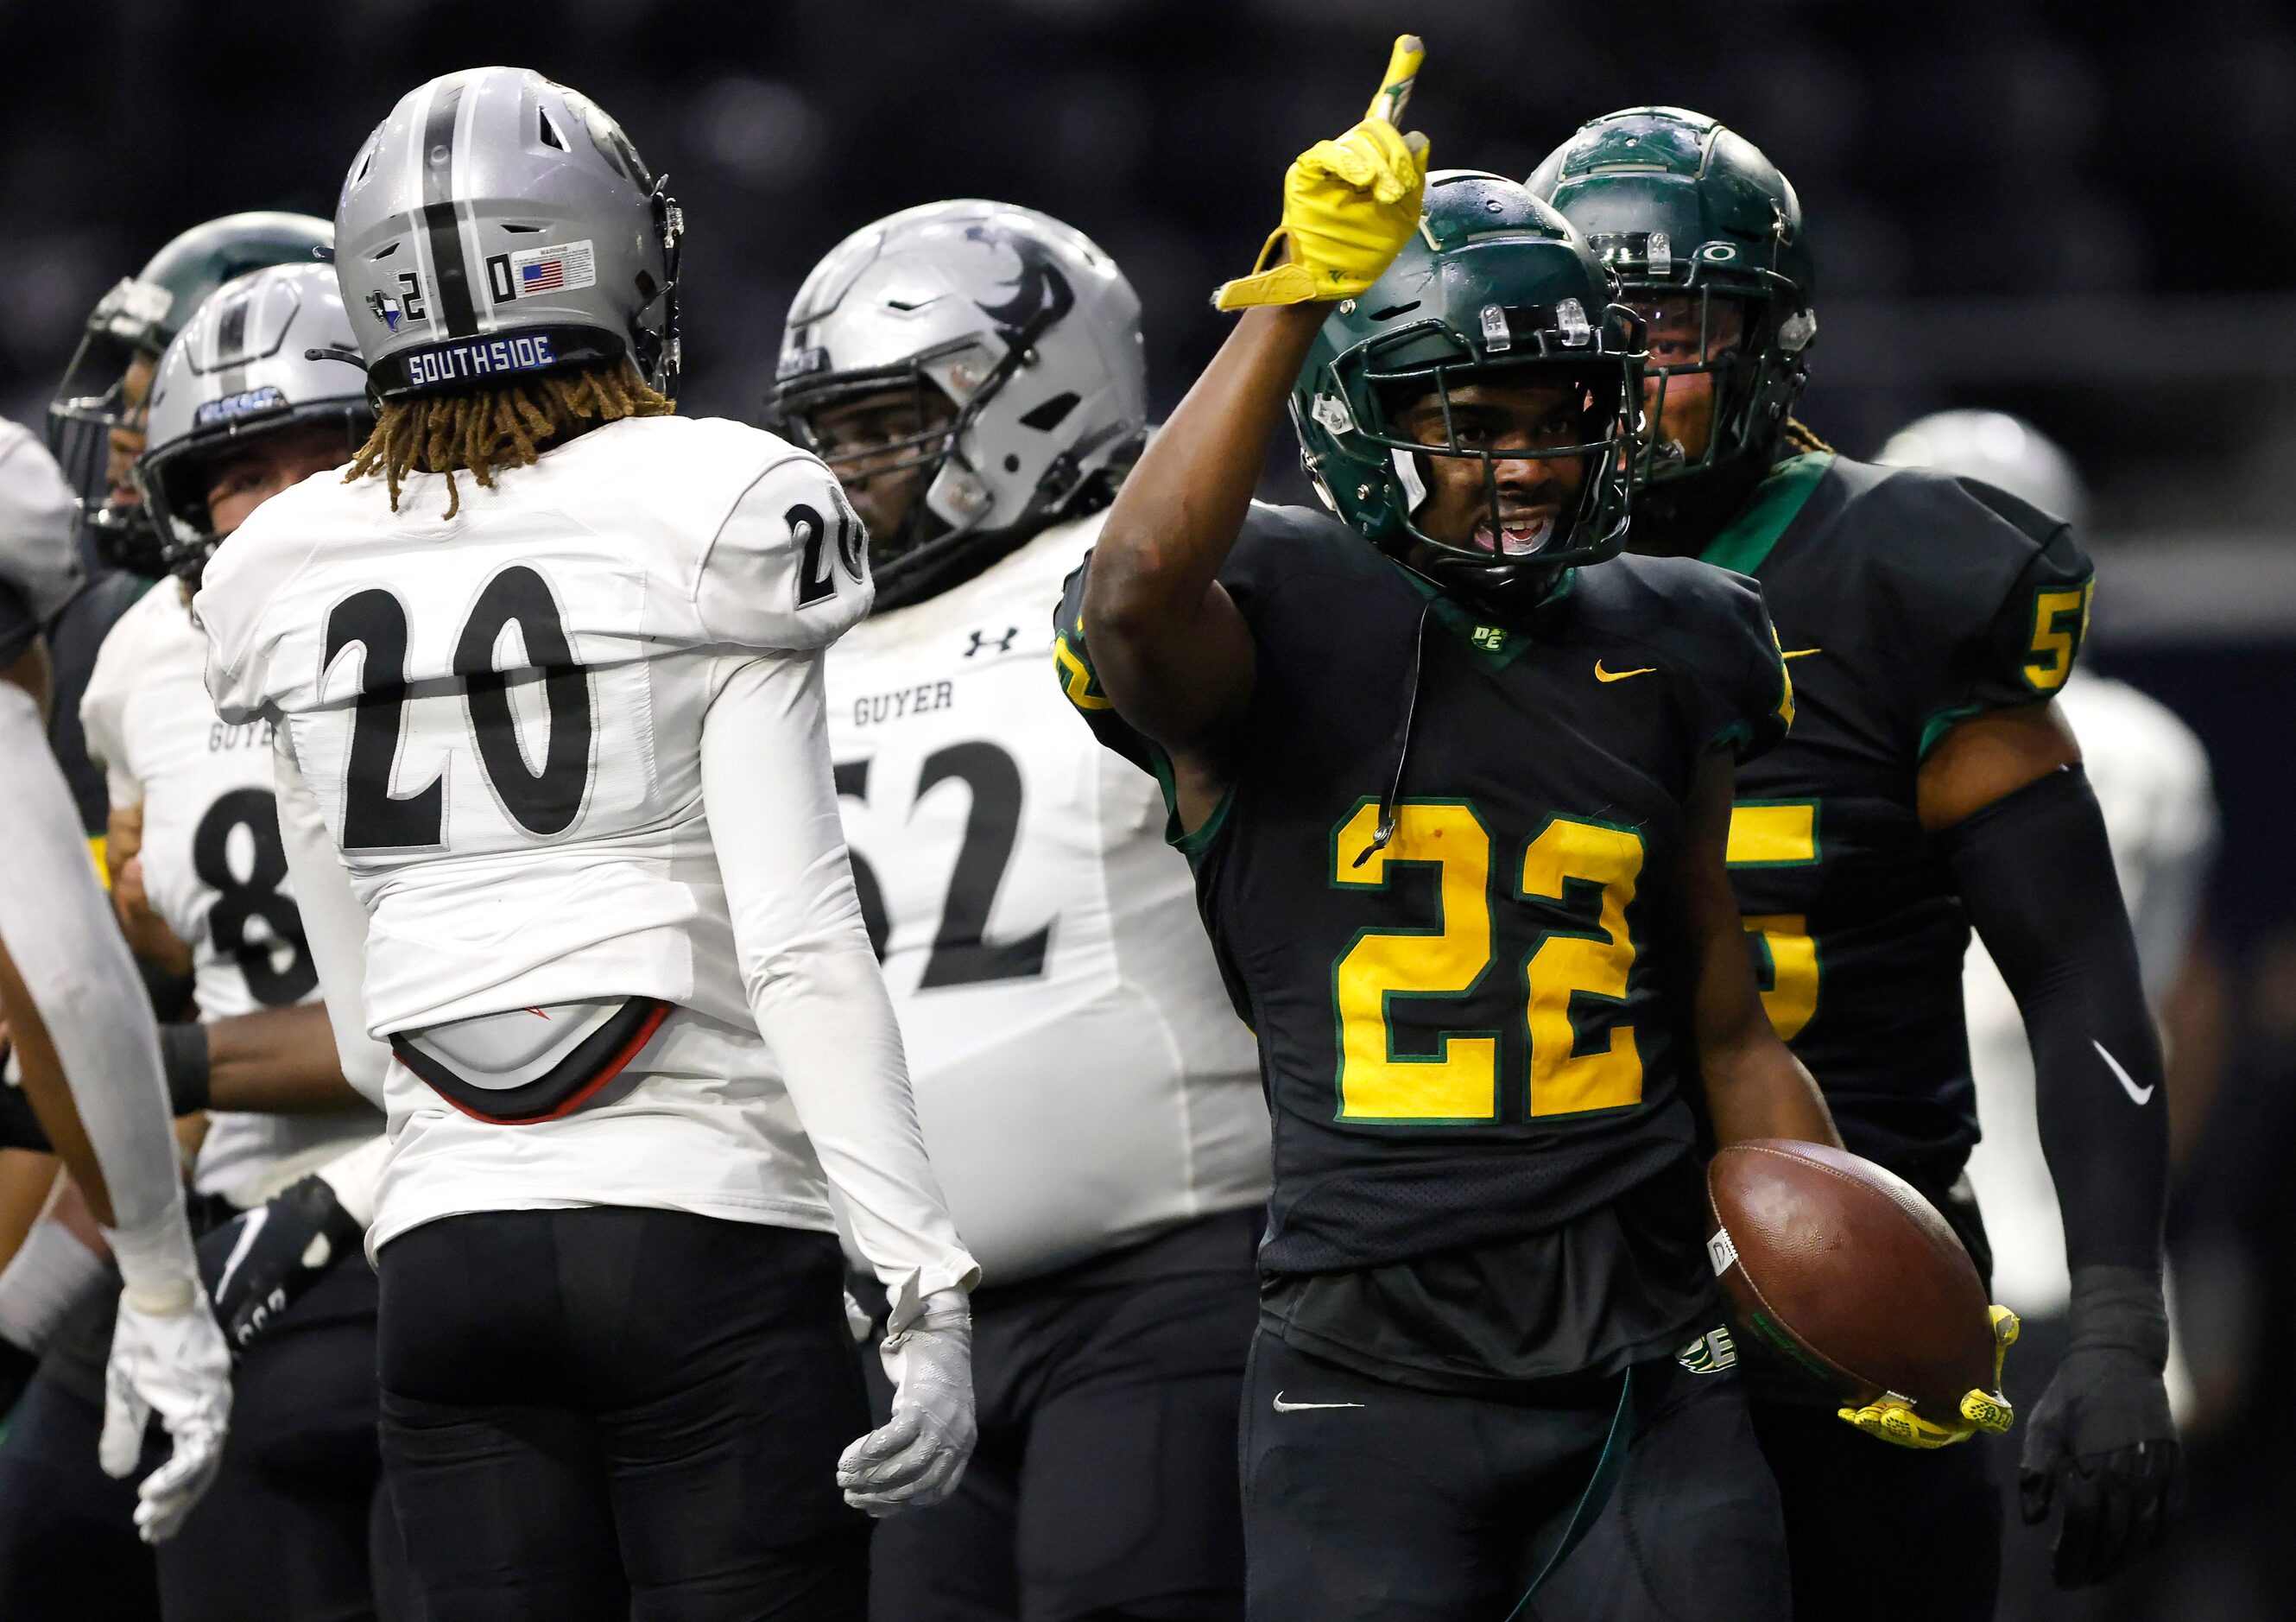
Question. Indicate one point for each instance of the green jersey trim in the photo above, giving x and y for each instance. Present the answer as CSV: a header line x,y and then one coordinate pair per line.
x,y
1495,643
1190,845
1944,721
1746,542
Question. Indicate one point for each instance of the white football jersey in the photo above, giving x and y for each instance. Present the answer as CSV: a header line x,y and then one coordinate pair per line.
x,y
535,836
213,867
2151,775
499,719
1080,1076
39,561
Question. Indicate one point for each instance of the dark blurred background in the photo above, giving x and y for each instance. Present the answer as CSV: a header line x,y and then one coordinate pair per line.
x,y
2082,212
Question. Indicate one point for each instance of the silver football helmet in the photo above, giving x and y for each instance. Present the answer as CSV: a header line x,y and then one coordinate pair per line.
x,y
134,322
271,350
1993,448
498,223
1021,327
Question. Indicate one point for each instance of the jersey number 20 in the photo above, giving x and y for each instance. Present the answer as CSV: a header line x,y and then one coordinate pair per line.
x,y
543,803
1460,1082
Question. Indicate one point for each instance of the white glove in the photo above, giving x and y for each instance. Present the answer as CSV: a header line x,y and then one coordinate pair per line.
x,y
169,1358
917,1457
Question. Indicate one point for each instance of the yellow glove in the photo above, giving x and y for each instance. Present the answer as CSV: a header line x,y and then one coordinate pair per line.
x,y
1350,205
1890,1419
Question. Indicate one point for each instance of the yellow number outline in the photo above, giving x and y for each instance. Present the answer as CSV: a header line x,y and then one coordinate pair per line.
x,y
2054,640
1076,678
1458,1084
1778,834
1564,1081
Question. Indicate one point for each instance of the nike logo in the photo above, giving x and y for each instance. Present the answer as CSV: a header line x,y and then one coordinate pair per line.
x,y
1798,653
2138,1095
1602,675
248,1230
1284,1407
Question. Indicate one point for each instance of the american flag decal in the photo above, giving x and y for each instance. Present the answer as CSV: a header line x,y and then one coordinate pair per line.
x,y
560,268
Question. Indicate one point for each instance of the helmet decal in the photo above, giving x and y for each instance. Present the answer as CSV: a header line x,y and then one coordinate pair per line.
x,y
268,352
1041,294
499,222
128,328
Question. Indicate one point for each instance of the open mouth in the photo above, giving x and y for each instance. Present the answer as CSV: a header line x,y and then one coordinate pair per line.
x,y
1520,534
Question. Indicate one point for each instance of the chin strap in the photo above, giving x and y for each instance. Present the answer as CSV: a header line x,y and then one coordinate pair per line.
x,y
1388,801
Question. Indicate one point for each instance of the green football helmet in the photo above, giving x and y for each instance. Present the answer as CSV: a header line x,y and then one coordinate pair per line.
x,y
1674,202
138,318
1496,284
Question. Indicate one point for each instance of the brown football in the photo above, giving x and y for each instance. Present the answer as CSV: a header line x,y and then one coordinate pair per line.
x,y
1850,1274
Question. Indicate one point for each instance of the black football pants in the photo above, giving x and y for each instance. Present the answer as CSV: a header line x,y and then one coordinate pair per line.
x,y
1365,1499
300,1483
1104,1485
610,1412
1879,1533
69,1551
1885,1532
302,1478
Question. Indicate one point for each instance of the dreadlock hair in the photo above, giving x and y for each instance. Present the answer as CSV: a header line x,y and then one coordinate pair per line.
x,y
509,425
1800,437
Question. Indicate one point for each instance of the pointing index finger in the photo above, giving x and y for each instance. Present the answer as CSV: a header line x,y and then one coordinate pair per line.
x,y
1402,73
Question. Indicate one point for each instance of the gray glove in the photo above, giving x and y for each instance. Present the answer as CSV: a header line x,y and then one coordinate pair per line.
x,y
917,1457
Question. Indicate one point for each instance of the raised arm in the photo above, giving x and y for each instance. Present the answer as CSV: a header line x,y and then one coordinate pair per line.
x,y
1755,1087
1170,646
1172,651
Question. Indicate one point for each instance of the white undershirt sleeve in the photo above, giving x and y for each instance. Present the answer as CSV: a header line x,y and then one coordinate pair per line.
x,y
812,980
74,961
334,924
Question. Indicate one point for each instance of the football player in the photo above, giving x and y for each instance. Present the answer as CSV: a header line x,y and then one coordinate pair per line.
x,y
95,429
78,1020
972,372
1454,778
1930,783
262,389
2150,774
151,728
544,666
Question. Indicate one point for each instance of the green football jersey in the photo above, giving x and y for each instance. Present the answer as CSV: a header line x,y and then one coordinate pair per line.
x,y
1466,1033
1906,601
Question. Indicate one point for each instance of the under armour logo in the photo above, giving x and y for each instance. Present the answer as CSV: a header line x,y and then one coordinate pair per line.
x,y
1002,644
